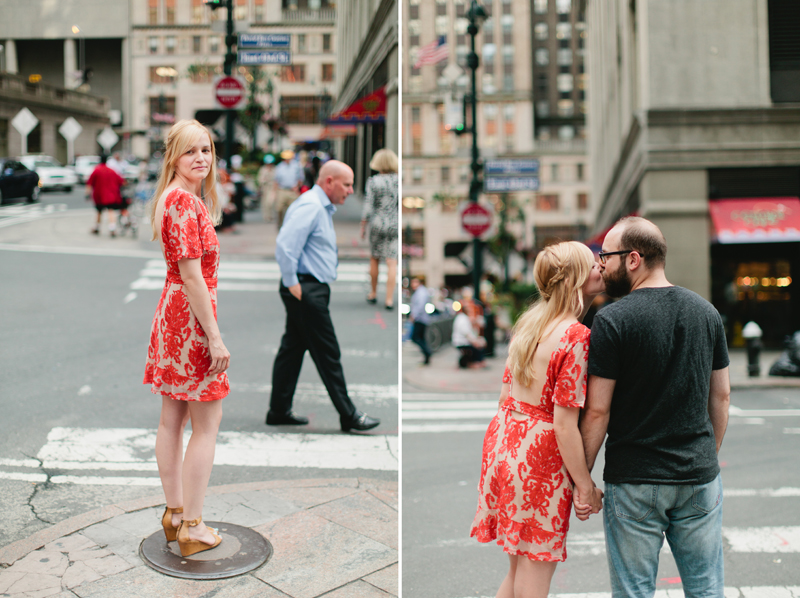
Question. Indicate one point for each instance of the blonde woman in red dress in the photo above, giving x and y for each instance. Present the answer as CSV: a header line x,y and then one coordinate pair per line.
x,y
186,360
533,461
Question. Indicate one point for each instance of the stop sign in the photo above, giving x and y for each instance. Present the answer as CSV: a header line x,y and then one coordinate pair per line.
x,y
475,219
229,92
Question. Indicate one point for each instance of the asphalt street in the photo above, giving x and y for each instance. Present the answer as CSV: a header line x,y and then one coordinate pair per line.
x,y
439,486
77,426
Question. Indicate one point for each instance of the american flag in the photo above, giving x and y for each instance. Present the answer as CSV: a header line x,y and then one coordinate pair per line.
x,y
434,52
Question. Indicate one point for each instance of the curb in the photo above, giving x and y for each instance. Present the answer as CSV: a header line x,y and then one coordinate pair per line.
x,y
16,550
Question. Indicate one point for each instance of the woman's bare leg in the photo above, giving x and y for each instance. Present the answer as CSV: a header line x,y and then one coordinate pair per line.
x,y
507,587
169,451
373,277
197,464
391,280
532,578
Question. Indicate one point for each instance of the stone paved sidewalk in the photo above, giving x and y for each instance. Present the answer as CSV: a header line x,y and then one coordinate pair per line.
x,y
337,537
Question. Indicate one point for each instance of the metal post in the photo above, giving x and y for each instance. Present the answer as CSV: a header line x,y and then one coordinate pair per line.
x,y
230,60
475,184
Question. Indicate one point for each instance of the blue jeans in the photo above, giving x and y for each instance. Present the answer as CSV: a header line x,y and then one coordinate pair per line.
x,y
637,518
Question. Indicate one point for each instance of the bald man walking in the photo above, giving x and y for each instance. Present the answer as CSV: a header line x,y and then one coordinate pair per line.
x,y
307,255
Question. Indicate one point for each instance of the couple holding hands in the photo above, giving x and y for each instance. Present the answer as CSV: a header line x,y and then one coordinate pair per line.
x,y
656,368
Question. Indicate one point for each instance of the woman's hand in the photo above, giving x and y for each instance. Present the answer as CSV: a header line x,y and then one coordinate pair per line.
x,y
220,357
587,501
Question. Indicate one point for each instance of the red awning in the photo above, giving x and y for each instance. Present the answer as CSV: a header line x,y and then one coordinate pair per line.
x,y
369,109
756,219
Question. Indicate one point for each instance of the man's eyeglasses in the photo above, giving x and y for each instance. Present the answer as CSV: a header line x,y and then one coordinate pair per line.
x,y
603,255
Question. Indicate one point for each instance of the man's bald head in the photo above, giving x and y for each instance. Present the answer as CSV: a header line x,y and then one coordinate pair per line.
x,y
644,237
336,180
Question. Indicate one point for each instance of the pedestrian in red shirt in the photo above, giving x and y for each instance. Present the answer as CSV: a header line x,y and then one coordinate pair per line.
x,y
103,187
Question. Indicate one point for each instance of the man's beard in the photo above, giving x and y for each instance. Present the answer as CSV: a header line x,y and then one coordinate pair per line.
x,y
618,282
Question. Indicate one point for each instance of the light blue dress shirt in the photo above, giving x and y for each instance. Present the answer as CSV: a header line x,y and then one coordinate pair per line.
x,y
288,174
306,243
419,300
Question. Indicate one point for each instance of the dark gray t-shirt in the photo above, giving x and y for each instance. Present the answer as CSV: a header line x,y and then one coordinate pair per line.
x,y
660,345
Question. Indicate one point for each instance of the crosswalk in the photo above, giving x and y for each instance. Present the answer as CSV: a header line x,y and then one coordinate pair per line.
x,y
19,213
432,413
255,277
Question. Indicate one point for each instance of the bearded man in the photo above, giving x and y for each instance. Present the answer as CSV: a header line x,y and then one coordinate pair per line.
x,y
659,386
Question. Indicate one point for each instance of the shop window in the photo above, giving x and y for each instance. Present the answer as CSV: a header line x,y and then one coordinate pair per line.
x,y
293,73
163,74
547,202
305,110
162,111
327,73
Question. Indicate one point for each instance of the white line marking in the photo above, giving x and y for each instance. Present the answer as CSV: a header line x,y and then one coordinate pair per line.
x,y
129,297
102,448
423,405
763,539
441,428
736,411
104,481
20,462
765,492
791,430
484,414
101,252
729,592
84,390
23,477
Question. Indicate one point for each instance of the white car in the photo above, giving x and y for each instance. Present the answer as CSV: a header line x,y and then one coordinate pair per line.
x,y
51,174
84,165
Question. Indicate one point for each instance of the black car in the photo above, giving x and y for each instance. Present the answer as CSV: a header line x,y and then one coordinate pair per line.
x,y
17,182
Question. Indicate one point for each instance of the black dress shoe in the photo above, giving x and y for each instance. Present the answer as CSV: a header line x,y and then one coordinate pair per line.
x,y
360,422
374,300
286,419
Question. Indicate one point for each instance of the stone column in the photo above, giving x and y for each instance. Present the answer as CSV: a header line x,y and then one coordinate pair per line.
x,y
127,96
71,80
11,56
392,104
677,202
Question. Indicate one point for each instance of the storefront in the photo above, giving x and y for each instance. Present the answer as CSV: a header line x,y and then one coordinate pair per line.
x,y
755,257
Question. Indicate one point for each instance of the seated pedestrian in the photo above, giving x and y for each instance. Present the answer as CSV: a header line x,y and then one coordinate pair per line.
x,y
470,345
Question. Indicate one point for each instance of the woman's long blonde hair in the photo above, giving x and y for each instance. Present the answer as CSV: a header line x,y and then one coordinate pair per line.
x,y
560,272
182,137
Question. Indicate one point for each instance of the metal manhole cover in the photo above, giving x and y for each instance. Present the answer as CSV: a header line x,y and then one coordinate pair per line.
x,y
241,550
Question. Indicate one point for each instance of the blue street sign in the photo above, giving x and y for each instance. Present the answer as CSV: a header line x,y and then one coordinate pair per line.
x,y
507,184
264,40
511,166
247,57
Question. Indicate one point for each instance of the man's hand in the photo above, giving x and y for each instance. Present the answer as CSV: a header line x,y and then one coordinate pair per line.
x,y
297,291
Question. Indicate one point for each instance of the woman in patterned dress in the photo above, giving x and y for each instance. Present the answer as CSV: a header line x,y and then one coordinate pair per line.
x,y
532,452
380,213
186,360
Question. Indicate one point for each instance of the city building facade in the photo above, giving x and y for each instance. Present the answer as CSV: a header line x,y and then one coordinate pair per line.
x,y
695,125
529,106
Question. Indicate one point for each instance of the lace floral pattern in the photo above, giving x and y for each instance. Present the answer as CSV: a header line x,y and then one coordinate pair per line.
x,y
178,358
525,492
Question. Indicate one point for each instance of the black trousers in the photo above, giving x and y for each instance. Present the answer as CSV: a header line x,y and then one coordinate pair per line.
x,y
309,328
418,338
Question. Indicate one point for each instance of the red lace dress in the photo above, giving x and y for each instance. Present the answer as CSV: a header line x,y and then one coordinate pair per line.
x,y
178,358
525,492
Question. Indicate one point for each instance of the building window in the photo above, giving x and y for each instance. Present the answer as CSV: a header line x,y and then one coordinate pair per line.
x,y
564,57
326,43
554,172
259,11
169,44
240,10
327,72
566,132
540,7
163,74
152,12
583,199
305,110
566,108
162,111
540,31
198,11
294,73
507,24
563,31
441,25
170,12
445,175
416,173
463,173
563,7
441,8
579,172
508,82
301,43
488,31
508,54
547,202
152,43
197,44
784,51
564,83
542,56
543,108
413,11
213,45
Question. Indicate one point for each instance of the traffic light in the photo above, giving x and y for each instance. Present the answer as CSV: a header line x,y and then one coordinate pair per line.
x,y
215,4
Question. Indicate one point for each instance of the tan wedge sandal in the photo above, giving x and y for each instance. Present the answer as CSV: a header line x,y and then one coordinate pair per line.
x,y
170,531
187,545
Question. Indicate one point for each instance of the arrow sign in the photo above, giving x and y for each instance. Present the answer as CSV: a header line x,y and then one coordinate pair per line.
x,y
70,129
24,122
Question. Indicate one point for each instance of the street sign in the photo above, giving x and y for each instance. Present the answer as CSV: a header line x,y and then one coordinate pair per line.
x,y
229,92
511,166
70,129
248,57
107,139
475,219
496,184
264,40
24,122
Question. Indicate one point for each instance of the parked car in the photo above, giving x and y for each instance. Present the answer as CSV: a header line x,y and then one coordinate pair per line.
x,y
52,175
17,181
84,165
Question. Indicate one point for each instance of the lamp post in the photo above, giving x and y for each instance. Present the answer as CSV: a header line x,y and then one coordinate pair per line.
x,y
475,15
230,60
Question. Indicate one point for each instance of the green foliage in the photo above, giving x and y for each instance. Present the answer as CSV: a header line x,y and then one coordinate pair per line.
x,y
522,295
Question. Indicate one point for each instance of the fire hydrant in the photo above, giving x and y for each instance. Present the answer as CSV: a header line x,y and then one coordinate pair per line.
x,y
752,335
